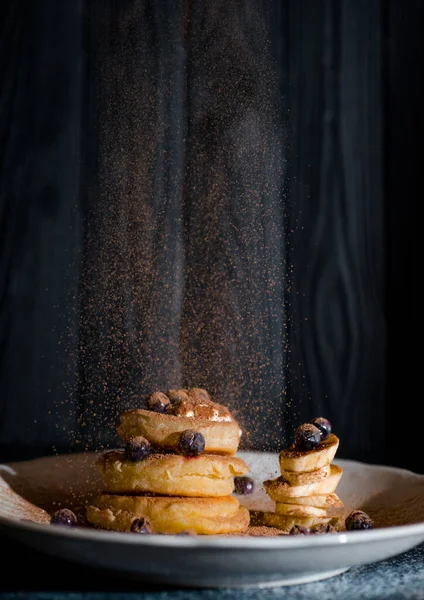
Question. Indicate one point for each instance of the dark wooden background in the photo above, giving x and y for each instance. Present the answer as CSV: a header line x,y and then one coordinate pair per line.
x,y
211,193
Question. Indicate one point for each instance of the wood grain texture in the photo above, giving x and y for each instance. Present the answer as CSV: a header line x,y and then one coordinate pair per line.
x,y
218,194
333,56
40,62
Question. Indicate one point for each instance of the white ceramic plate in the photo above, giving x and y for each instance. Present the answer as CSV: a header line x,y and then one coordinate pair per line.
x,y
389,495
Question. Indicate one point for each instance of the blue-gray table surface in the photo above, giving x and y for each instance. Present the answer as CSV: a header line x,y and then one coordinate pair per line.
x,y
26,574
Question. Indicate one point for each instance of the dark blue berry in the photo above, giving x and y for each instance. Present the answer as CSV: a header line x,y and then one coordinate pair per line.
x,y
141,525
357,520
191,443
174,406
300,530
157,402
174,396
137,449
323,425
202,393
307,437
243,485
323,528
64,516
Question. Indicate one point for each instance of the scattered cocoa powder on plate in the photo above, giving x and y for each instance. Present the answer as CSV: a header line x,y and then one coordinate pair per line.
x,y
258,531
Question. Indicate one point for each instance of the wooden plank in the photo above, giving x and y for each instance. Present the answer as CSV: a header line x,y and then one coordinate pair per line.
x,y
190,281
41,60
333,78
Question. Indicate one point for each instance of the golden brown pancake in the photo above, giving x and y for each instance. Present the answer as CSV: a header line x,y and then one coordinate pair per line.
x,y
207,475
319,500
299,510
279,488
301,461
284,522
296,478
170,515
221,437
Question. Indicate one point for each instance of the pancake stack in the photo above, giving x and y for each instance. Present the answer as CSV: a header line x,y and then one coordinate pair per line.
x,y
305,495
176,473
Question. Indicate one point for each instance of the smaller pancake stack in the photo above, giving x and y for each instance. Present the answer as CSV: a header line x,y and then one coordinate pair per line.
x,y
305,495
176,473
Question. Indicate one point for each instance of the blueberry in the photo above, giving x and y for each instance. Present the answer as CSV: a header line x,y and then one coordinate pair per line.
x,y
64,516
243,485
192,443
307,437
137,448
323,528
157,402
201,393
300,530
358,519
176,396
141,525
323,425
174,406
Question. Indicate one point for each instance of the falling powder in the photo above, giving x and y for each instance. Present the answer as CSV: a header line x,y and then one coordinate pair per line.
x,y
183,280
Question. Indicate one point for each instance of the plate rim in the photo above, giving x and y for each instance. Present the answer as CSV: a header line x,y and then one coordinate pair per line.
x,y
220,542
228,542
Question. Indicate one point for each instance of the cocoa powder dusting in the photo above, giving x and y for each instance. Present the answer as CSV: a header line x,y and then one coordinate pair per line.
x,y
256,531
183,200
388,513
196,403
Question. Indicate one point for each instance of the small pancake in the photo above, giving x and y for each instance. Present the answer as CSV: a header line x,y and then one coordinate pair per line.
x,y
295,478
278,489
285,522
292,459
206,475
299,510
206,516
319,501
221,437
